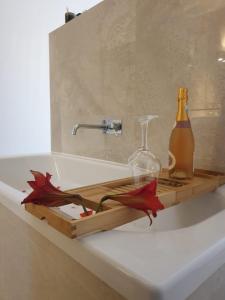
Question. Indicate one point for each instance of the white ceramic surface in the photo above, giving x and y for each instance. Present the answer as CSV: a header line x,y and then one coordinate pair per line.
x,y
168,261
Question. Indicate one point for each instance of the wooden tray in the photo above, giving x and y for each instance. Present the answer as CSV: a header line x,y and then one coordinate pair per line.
x,y
170,192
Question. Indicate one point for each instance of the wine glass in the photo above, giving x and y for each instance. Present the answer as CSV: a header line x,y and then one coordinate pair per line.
x,y
145,166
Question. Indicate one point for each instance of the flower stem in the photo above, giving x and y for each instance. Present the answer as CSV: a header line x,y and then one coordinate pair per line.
x,y
77,196
84,208
99,207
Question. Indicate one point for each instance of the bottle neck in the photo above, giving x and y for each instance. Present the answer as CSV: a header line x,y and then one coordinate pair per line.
x,y
182,114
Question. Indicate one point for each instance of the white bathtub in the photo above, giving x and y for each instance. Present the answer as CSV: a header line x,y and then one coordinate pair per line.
x,y
183,248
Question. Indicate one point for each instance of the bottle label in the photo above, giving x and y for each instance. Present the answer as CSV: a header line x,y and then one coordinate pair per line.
x,y
172,161
183,124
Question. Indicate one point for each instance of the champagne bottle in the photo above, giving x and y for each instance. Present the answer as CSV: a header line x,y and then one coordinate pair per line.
x,y
181,146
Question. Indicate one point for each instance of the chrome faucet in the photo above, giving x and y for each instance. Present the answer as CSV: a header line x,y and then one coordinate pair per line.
x,y
107,126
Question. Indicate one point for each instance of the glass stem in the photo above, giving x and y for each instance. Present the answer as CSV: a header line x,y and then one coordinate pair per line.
x,y
144,135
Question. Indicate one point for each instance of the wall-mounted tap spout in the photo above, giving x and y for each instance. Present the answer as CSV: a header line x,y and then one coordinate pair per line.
x,y
107,126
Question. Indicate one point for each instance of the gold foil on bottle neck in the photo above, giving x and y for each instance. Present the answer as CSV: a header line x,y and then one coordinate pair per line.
x,y
182,104
183,94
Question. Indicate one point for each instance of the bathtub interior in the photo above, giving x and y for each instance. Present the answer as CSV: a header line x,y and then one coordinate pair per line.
x,y
67,172
15,171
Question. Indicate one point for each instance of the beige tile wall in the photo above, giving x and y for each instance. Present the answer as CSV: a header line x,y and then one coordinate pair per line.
x,y
125,58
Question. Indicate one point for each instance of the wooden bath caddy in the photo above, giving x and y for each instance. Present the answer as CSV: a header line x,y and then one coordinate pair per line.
x,y
170,192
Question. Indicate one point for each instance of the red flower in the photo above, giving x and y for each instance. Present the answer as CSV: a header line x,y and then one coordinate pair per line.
x,y
144,199
44,193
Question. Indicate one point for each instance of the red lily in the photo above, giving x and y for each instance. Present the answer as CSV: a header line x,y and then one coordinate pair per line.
x,y
44,193
144,199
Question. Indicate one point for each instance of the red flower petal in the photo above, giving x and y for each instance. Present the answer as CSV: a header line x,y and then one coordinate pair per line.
x,y
44,193
149,189
144,199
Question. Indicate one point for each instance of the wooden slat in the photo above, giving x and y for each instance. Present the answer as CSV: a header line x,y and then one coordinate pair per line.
x,y
107,220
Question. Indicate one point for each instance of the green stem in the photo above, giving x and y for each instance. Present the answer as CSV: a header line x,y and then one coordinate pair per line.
x,y
84,208
99,207
81,199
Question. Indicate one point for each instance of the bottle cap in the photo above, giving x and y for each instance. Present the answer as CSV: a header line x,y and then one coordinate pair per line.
x,y
183,93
